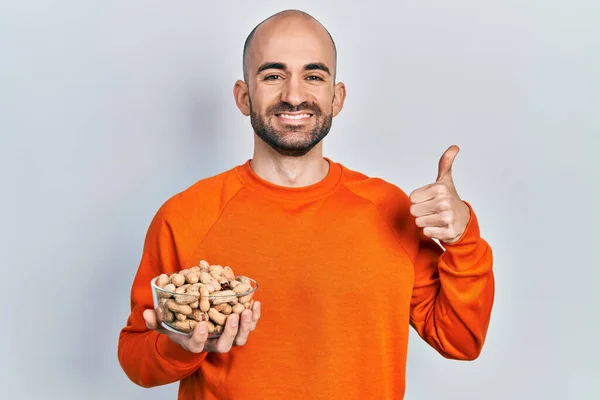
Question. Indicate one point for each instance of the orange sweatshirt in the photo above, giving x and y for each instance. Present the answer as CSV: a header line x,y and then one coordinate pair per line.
x,y
342,272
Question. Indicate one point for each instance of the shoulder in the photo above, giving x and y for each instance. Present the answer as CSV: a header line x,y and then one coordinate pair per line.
x,y
392,204
387,196
205,197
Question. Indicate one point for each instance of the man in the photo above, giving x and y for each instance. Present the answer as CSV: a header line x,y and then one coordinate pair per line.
x,y
345,263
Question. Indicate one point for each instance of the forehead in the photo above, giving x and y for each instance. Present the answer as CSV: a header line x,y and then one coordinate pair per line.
x,y
292,42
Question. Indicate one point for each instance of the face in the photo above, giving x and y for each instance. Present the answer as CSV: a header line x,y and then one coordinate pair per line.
x,y
290,94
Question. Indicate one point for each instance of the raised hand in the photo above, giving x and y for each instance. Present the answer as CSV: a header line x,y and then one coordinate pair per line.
x,y
438,209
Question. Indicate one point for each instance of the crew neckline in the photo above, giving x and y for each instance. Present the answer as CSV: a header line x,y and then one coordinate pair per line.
x,y
318,189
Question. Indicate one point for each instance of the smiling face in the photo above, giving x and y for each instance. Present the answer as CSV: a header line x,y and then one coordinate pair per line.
x,y
290,93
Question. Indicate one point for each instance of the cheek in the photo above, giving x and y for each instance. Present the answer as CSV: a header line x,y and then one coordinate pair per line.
x,y
326,105
325,100
261,99
264,104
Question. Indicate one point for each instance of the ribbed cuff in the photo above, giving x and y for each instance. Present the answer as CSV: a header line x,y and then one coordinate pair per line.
x,y
465,255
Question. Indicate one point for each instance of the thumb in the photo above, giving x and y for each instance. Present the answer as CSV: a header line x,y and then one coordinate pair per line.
x,y
445,164
150,318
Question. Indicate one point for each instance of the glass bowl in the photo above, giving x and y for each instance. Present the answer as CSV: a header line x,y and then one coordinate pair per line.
x,y
184,298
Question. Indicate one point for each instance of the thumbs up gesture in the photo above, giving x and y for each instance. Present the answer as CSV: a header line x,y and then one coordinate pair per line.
x,y
438,209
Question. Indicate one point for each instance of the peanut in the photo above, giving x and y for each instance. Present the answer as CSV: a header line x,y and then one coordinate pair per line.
x,y
219,329
228,273
206,278
170,287
223,282
233,283
218,269
162,280
187,298
210,326
199,315
195,304
219,278
165,293
210,288
224,296
191,277
203,264
179,308
186,326
194,287
177,279
217,317
246,298
204,301
167,316
163,302
241,288
224,308
181,289
238,308
180,317
243,279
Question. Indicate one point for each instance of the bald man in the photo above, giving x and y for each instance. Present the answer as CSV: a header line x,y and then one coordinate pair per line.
x,y
345,263
290,94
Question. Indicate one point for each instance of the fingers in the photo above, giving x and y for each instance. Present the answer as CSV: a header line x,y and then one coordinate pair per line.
x,y
225,341
197,339
255,315
429,192
244,328
442,220
430,207
446,234
236,332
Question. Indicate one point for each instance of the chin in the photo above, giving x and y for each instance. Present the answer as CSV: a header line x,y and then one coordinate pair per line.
x,y
292,148
292,151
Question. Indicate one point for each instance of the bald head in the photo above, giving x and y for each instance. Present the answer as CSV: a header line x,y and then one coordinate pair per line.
x,y
288,22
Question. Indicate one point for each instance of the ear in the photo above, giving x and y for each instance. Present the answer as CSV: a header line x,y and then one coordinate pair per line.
x,y
241,96
339,96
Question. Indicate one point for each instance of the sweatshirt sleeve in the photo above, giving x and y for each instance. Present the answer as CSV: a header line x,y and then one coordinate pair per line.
x,y
147,357
453,293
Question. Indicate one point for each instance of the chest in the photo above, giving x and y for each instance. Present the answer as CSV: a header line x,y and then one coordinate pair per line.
x,y
314,256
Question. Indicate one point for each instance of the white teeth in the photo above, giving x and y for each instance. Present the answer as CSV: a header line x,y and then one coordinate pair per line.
x,y
300,116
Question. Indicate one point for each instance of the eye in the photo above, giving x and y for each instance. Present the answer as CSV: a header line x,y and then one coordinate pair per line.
x,y
314,78
272,77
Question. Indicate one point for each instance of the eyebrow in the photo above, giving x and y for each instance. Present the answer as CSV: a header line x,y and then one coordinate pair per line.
x,y
282,66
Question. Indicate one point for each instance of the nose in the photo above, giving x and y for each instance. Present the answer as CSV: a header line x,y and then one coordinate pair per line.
x,y
293,92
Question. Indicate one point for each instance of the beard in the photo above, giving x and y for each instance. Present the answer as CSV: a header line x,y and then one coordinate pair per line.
x,y
292,140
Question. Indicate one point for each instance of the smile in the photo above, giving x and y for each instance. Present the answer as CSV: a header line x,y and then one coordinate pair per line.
x,y
294,117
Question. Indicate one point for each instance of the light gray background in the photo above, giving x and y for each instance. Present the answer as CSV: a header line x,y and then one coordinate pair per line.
x,y
108,108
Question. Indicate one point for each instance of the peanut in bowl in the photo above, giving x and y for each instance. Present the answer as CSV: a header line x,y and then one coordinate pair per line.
x,y
205,293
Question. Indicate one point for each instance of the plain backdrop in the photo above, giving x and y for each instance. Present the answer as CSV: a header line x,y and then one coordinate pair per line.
x,y
107,108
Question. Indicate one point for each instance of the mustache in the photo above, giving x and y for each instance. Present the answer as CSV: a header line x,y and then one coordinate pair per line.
x,y
310,108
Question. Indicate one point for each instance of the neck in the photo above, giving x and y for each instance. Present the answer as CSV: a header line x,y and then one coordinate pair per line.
x,y
289,171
